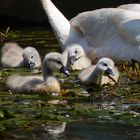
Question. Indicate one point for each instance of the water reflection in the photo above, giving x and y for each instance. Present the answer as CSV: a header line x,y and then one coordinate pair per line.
x,y
79,131
51,132
82,131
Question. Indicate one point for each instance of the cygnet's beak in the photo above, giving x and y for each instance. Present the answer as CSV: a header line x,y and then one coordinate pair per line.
x,y
31,64
72,59
65,71
109,71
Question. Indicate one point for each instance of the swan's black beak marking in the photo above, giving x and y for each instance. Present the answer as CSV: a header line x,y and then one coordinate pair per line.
x,y
32,65
65,71
72,59
109,71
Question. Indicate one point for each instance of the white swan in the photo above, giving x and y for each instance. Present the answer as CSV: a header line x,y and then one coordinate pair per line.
x,y
12,55
103,72
38,84
106,32
132,7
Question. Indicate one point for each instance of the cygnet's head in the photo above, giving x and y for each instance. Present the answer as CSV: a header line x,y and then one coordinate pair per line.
x,y
75,52
53,61
31,57
106,64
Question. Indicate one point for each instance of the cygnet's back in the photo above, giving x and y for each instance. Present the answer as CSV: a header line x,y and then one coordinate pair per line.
x,y
33,84
11,55
20,83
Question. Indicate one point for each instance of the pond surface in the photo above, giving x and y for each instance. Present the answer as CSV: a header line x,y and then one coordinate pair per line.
x,y
100,113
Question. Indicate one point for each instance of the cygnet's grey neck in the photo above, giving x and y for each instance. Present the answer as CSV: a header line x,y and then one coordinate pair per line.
x,y
96,75
23,63
46,71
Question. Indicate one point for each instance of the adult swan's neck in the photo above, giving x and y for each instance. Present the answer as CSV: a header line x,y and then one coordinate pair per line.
x,y
63,31
59,23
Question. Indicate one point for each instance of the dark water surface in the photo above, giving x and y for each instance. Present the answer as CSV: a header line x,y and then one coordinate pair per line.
x,y
107,113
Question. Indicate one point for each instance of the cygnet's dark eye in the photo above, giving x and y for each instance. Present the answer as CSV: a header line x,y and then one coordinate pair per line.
x,y
104,64
58,62
32,57
76,51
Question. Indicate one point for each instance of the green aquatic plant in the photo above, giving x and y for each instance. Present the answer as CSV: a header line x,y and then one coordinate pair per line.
x,y
5,34
132,70
8,34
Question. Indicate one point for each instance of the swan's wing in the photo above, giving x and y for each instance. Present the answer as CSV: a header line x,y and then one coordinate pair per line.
x,y
102,25
130,31
132,7
93,25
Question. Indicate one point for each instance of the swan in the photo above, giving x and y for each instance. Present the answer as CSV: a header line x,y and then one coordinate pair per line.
x,y
12,55
105,32
47,83
133,7
104,72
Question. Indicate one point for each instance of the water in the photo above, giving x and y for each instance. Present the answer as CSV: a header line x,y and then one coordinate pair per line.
x,y
81,131
106,113
107,131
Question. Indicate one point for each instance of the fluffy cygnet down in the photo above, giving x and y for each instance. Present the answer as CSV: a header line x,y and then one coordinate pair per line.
x,y
75,57
103,72
47,83
12,55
